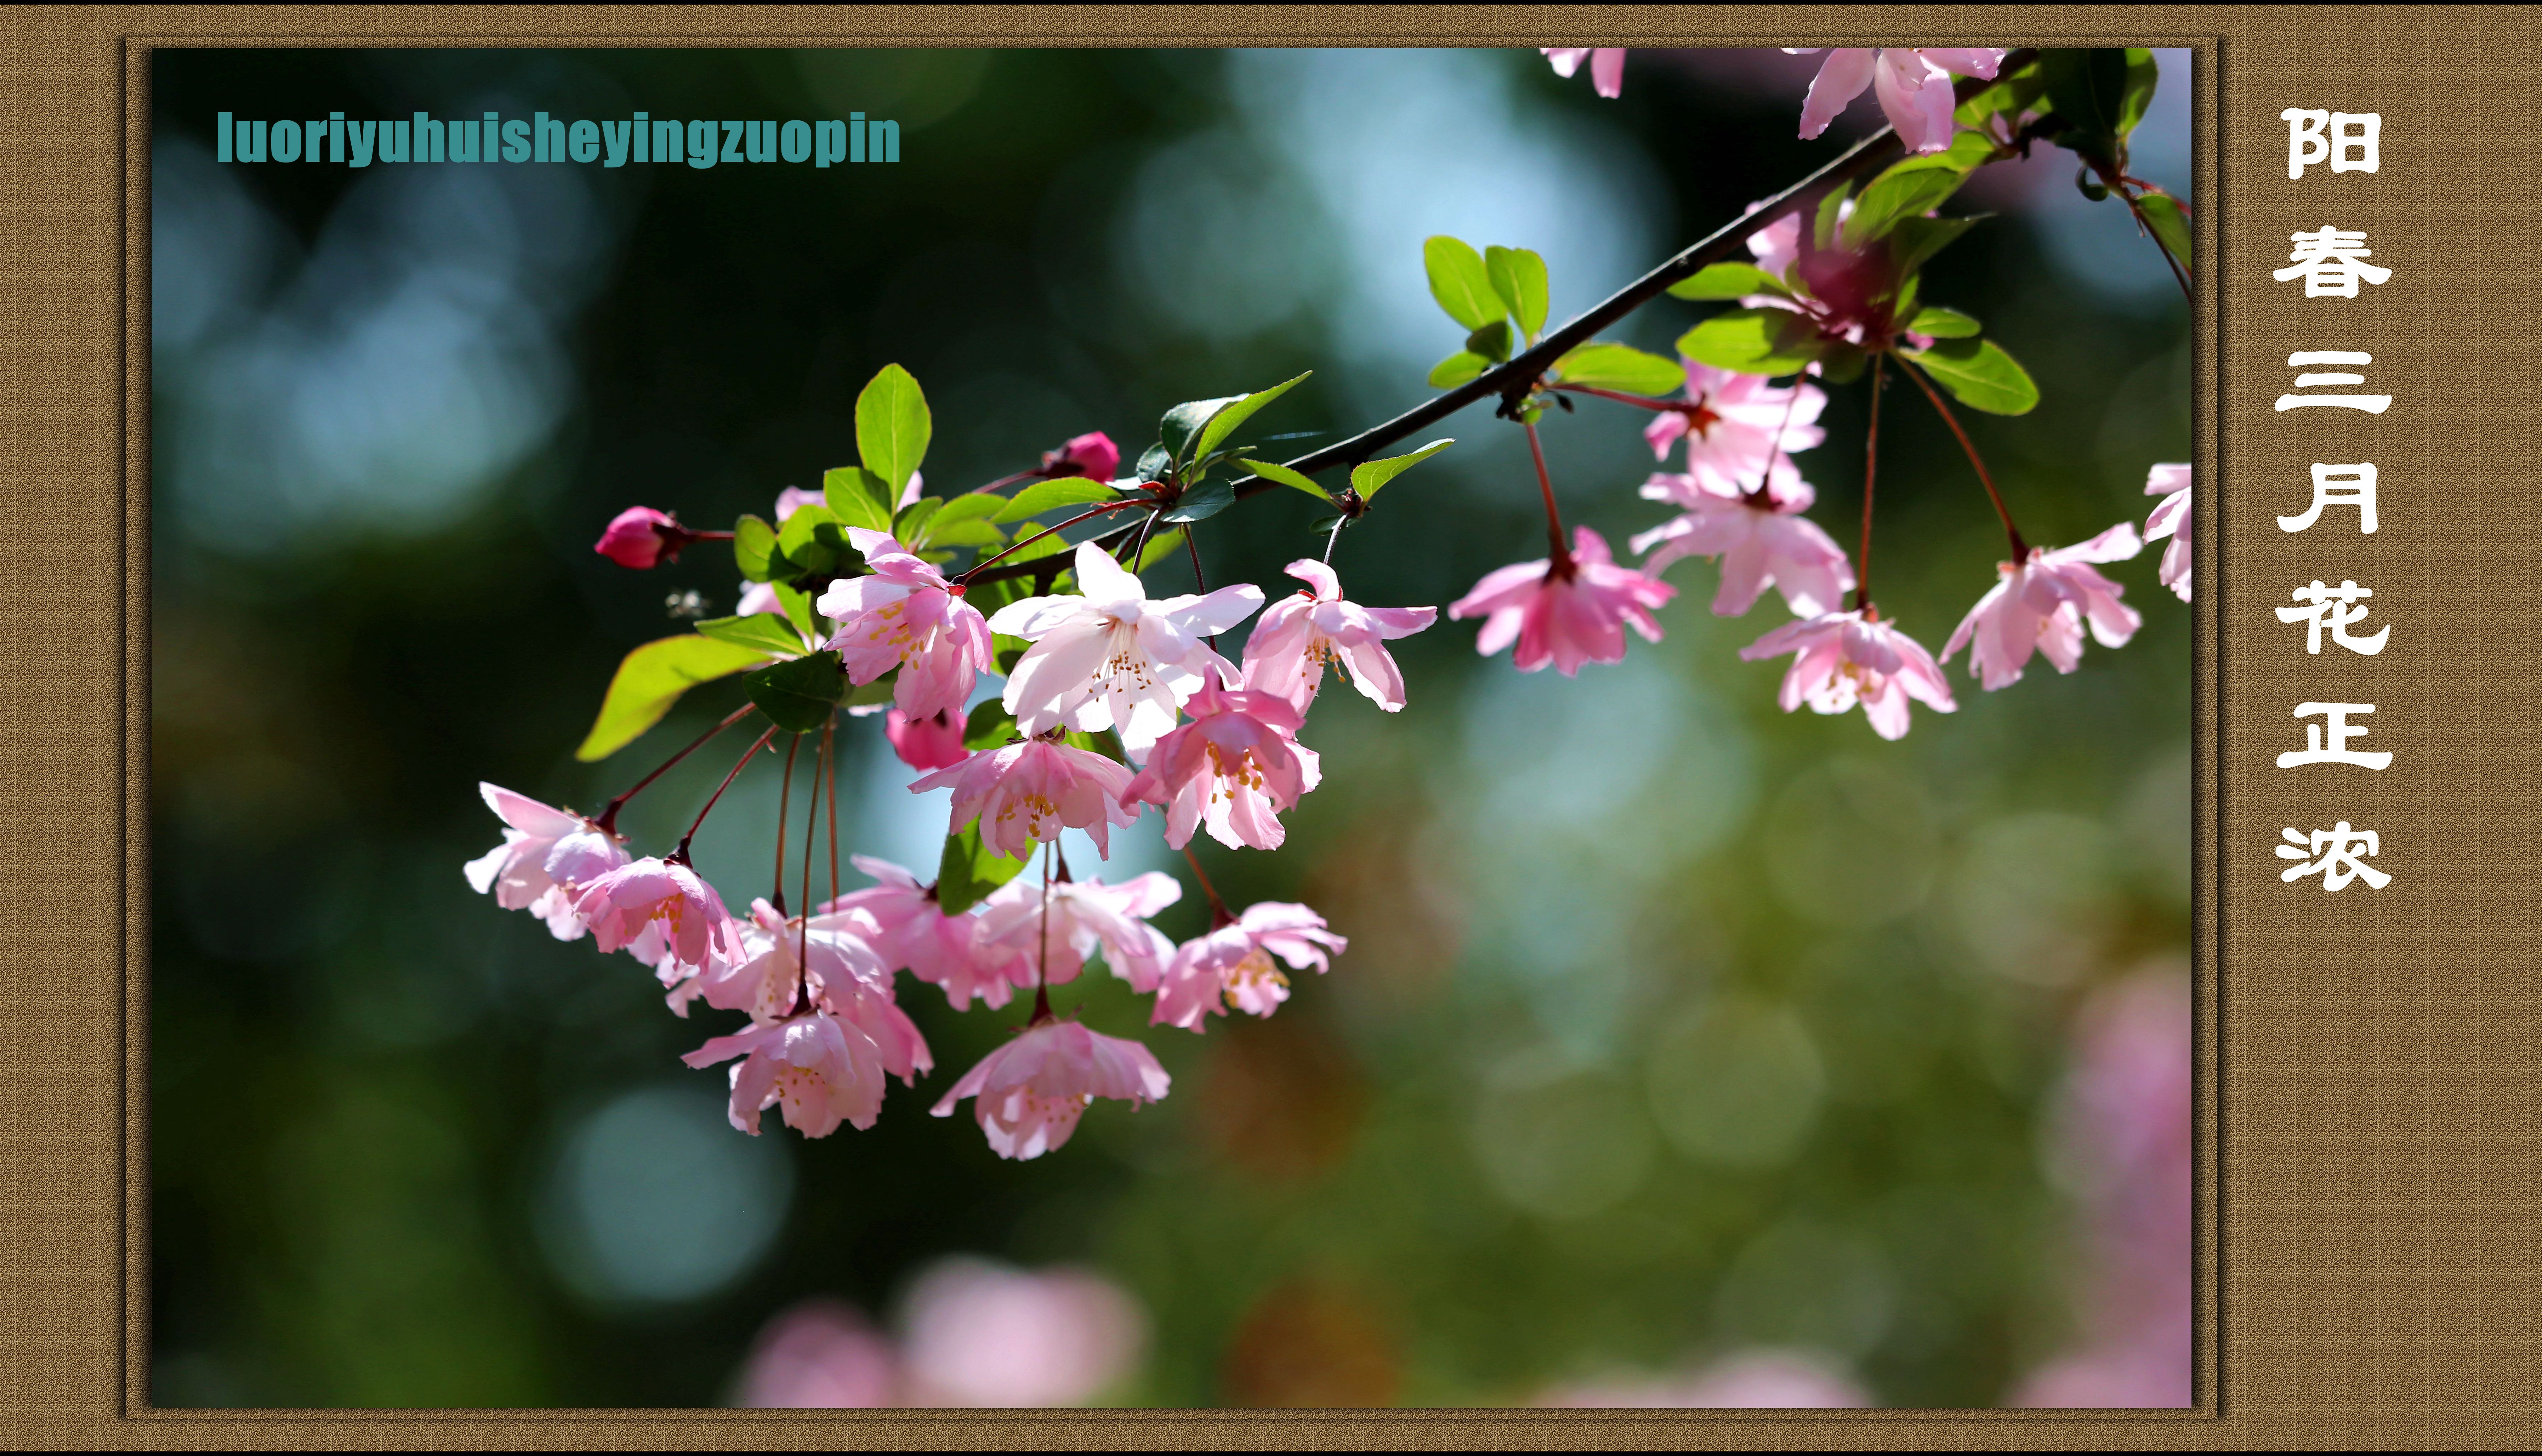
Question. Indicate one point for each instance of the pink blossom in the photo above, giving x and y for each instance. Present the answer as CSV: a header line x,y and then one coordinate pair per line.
x,y
692,930
1755,1379
1235,766
1084,915
841,971
1091,455
546,857
1761,540
1111,657
640,537
2171,517
1847,658
823,1070
795,497
819,1353
912,931
1913,87
1733,425
1026,793
1232,964
1303,632
1606,65
981,1334
2042,603
1032,1091
927,742
906,615
1565,612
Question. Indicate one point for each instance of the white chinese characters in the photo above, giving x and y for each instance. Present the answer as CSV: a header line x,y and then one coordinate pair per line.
x,y
2327,741
2350,141
2331,262
2337,484
2335,608
2338,855
2371,404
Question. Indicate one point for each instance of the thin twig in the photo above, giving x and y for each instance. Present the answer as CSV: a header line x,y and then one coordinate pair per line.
x,y
2013,533
1870,471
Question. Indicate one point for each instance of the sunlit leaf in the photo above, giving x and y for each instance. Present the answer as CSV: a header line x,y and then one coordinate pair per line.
x,y
893,427
1370,476
1460,282
651,679
1979,374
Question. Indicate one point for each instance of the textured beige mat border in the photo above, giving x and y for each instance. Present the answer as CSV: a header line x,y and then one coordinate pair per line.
x,y
2366,1131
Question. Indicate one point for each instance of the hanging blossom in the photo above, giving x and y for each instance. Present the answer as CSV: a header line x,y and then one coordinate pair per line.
x,y
906,615
1235,767
664,913
1913,87
1760,538
823,1070
1847,658
1232,965
546,857
1026,793
1304,632
1084,917
1032,1091
2171,517
912,932
1606,65
2042,603
833,960
933,741
1111,657
1566,612
1735,425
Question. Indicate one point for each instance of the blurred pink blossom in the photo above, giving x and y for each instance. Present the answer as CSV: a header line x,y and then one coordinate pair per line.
x,y
546,857
2042,603
1032,1091
1756,1379
1235,767
1112,657
982,1334
1760,538
1606,65
1733,425
1023,794
1846,657
2171,517
823,1071
819,1355
1567,612
691,928
906,615
1303,632
640,537
1084,915
912,931
929,742
1232,964
1091,455
1913,87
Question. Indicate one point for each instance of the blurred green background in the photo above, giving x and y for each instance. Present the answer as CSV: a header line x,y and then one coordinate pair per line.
x,y
1671,1025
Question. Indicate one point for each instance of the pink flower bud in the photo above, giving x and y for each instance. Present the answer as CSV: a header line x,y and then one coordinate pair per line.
x,y
640,538
1092,455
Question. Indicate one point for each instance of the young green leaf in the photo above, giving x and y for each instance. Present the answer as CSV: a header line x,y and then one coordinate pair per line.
x,y
1460,282
761,632
1518,275
858,498
811,540
798,609
651,679
1910,189
1225,420
2170,223
798,696
754,541
1201,503
1831,209
910,526
1370,476
1944,323
1753,340
989,725
1043,496
873,694
1979,374
1843,363
2143,73
1728,281
1620,367
1461,367
1181,424
969,870
2011,95
2088,89
1283,474
893,427
1912,240
1492,340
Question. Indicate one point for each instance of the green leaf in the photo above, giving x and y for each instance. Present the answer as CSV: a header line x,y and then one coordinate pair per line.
x,y
811,539
1728,281
1843,363
1831,208
1099,744
2170,222
1910,189
1201,503
1912,240
651,679
798,608
893,427
1492,340
910,526
1518,275
761,632
2010,95
1944,323
1159,546
798,696
1620,367
969,870
1753,340
1154,463
1968,151
1043,496
1980,375
2143,74
989,725
1283,474
1183,423
1008,652
1460,282
1460,367
1370,476
873,694
1225,420
2088,89
858,498
754,541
